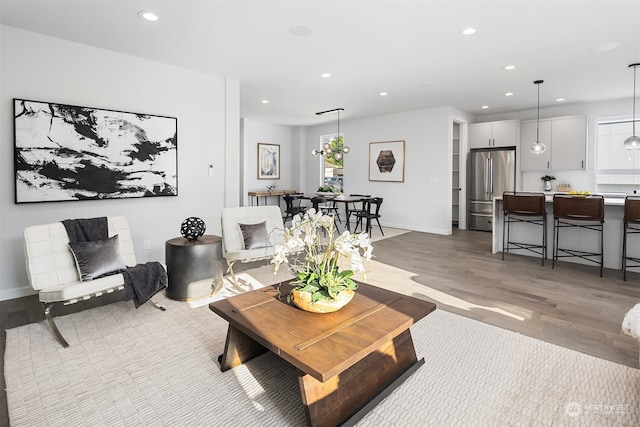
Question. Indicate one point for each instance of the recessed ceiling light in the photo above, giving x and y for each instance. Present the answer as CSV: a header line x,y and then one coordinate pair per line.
x,y
602,47
325,75
510,67
265,101
300,30
508,94
468,31
149,16
559,99
484,107
383,94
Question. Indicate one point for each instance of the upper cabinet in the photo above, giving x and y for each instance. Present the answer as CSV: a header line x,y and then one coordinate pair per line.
x,y
566,141
531,161
611,151
493,134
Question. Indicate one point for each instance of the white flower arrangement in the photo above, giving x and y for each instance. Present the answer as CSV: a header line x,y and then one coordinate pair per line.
x,y
319,271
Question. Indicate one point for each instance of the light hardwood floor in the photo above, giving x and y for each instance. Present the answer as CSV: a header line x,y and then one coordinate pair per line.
x,y
570,306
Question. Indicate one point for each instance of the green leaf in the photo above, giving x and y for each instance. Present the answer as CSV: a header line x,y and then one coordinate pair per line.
x,y
320,295
346,274
309,287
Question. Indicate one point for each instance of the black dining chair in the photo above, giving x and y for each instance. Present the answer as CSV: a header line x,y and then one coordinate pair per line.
x,y
355,207
293,205
371,210
327,206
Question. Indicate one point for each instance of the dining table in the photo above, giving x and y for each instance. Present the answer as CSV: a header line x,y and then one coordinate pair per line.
x,y
340,198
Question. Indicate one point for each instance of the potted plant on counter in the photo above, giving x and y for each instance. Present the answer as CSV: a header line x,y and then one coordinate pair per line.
x,y
547,181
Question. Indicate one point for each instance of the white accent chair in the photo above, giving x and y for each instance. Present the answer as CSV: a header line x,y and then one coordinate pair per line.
x,y
233,243
52,271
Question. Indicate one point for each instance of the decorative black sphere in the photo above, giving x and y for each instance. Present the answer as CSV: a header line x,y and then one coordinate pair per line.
x,y
192,228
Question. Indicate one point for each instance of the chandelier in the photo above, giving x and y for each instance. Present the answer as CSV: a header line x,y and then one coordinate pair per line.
x,y
339,149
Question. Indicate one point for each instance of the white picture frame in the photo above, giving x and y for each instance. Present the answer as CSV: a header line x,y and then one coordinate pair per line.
x,y
386,161
268,161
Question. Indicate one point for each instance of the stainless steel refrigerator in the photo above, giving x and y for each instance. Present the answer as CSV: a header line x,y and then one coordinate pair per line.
x,y
492,171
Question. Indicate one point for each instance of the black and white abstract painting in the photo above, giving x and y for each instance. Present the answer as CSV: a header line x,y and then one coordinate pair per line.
x,y
66,152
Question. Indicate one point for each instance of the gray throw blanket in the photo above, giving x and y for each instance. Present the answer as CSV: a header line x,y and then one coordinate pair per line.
x,y
86,229
140,282
143,281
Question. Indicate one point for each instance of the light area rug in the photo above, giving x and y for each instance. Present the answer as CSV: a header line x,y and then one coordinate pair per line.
x,y
147,367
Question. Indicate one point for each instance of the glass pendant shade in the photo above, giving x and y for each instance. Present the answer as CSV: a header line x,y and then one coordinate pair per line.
x,y
538,147
632,143
315,152
338,156
346,149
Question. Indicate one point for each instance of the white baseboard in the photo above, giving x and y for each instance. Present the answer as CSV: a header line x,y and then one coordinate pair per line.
x,y
421,229
16,293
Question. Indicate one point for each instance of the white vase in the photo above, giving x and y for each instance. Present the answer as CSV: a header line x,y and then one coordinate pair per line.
x,y
547,186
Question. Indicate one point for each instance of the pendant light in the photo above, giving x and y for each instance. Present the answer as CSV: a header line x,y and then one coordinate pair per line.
x,y
633,142
341,149
538,147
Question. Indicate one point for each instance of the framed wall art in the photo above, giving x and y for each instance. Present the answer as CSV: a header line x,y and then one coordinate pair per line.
x,y
386,161
66,152
268,161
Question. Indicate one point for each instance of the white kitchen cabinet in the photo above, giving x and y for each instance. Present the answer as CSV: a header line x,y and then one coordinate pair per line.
x,y
569,143
503,133
611,151
529,161
566,141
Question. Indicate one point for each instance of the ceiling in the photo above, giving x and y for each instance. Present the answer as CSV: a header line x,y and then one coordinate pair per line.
x,y
413,50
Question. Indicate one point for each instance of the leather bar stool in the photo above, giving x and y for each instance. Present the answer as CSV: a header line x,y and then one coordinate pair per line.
x,y
631,225
524,208
586,213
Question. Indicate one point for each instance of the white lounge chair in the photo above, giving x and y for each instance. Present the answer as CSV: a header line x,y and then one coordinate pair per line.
x,y
234,249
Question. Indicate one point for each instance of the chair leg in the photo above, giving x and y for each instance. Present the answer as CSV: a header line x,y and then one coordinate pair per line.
x,y
379,226
52,325
601,248
358,222
234,280
554,254
504,226
624,251
544,239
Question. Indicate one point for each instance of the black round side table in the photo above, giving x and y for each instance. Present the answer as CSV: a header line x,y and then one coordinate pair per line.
x,y
194,267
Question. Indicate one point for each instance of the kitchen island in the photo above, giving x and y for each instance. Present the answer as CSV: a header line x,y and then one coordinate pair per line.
x,y
578,238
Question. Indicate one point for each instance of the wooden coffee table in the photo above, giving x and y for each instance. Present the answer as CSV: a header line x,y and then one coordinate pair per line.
x,y
348,361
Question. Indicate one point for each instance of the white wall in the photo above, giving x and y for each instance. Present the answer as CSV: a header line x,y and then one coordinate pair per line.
x,y
580,180
43,68
423,201
287,137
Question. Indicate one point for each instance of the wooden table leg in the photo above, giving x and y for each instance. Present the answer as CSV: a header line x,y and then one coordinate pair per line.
x,y
239,348
347,397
